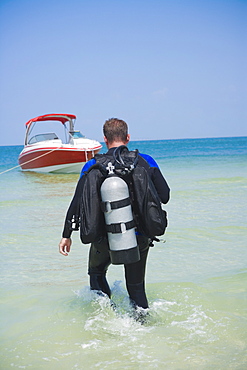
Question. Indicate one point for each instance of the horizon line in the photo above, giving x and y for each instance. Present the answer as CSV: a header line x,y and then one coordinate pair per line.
x,y
188,138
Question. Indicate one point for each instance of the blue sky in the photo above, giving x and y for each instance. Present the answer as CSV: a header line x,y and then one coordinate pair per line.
x,y
172,69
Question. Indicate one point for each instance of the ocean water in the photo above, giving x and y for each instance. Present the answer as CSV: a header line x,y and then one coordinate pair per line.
x,y
196,275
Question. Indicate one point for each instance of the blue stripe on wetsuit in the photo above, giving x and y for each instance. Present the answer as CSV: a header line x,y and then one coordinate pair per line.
x,y
91,162
87,165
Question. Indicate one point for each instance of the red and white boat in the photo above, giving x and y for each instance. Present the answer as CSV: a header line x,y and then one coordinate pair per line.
x,y
48,153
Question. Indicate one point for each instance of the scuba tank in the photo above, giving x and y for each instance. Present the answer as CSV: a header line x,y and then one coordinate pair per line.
x,y
119,221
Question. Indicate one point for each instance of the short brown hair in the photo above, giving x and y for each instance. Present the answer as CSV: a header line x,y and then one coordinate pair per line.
x,y
115,129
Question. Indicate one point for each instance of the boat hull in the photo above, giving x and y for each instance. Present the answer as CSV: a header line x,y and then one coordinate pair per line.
x,y
62,160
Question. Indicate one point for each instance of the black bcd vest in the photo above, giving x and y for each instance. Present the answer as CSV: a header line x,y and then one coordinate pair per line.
x,y
150,219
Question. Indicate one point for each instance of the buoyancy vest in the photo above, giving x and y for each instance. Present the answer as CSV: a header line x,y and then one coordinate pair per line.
x,y
149,217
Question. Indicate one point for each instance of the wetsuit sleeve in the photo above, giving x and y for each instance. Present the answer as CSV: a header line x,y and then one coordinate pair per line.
x,y
73,209
74,205
160,184
158,179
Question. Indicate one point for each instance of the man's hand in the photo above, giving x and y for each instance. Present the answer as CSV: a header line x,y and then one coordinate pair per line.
x,y
64,246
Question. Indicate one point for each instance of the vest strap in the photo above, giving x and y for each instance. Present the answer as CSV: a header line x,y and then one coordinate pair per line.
x,y
108,206
120,227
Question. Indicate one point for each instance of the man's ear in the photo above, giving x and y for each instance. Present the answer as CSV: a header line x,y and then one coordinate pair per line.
x,y
127,138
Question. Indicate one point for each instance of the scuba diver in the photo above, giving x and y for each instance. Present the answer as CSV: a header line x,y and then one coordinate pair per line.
x,y
115,135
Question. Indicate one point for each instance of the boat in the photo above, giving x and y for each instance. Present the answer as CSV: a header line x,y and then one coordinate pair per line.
x,y
47,152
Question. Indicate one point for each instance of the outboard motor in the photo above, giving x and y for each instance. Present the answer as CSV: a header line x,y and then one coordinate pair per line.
x,y
120,225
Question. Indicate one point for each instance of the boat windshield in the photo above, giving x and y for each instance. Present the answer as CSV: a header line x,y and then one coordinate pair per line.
x,y
76,134
42,137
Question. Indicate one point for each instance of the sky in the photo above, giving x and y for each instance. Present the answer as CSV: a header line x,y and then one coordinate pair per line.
x,y
171,69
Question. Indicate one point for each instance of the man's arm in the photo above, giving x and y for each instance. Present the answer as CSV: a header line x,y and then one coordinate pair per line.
x,y
160,184
65,243
158,179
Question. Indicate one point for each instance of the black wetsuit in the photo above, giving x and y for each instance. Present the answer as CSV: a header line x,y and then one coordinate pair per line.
x,y
99,258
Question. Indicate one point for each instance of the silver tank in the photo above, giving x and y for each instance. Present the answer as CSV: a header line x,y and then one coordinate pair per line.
x,y
123,245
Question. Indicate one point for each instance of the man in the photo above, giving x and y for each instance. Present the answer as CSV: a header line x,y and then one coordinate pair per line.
x,y
116,134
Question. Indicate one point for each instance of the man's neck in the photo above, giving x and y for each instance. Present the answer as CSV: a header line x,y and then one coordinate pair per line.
x,y
115,144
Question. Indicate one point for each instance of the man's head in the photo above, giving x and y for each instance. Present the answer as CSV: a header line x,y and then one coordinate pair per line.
x,y
115,132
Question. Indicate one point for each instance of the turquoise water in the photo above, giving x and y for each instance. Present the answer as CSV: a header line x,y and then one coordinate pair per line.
x,y
196,275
